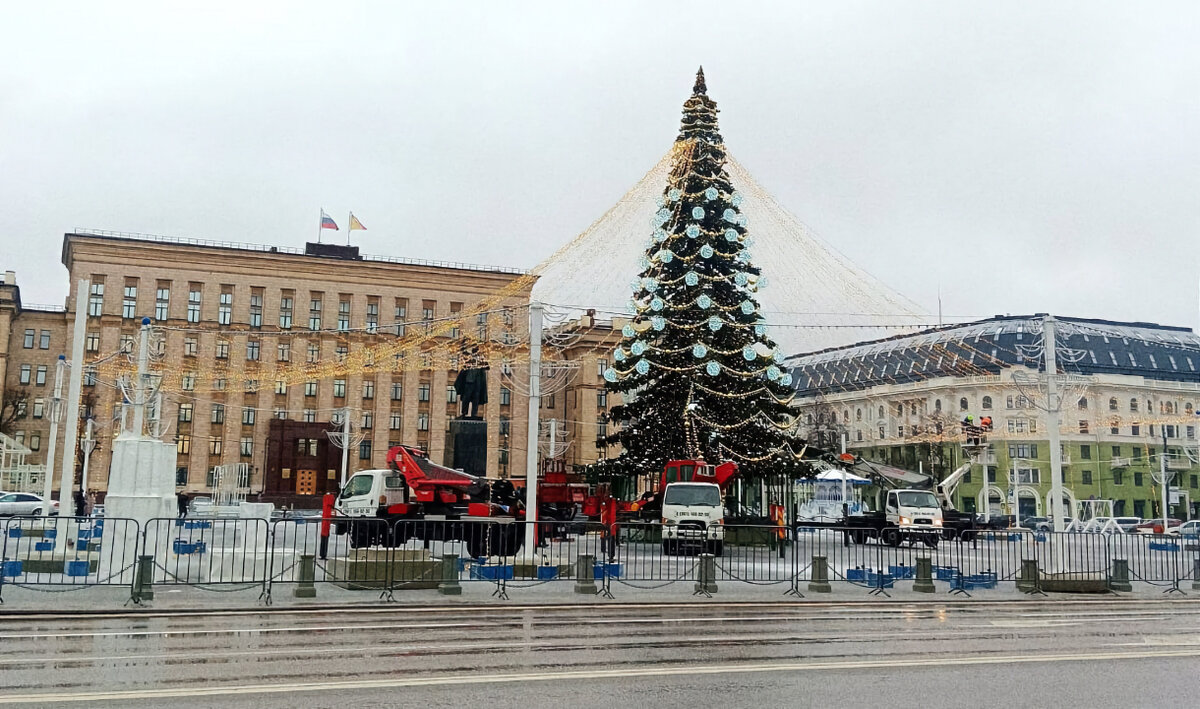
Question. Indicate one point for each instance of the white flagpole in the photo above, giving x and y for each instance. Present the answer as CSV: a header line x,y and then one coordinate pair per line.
x,y
349,227
320,224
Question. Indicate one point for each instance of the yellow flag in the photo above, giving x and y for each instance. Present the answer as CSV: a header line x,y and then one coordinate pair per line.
x,y
355,224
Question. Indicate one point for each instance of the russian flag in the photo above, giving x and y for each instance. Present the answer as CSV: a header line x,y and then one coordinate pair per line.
x,y
327,221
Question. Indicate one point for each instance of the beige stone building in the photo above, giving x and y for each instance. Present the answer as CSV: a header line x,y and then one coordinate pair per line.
x,y
237,322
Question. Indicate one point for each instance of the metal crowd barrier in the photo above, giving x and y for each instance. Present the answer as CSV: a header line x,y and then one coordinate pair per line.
x,y
369,554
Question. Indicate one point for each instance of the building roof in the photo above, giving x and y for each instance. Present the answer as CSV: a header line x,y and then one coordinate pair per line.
x,y
1085,346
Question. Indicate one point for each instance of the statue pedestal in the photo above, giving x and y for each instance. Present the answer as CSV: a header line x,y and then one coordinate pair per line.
x,y
466,445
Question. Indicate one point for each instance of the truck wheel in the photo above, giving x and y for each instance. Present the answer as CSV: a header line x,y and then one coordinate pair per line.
x,y
930,540
891,537
858,536
716,548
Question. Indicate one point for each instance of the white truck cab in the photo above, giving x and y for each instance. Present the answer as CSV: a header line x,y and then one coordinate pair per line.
x,y
368,490
693,515
912,513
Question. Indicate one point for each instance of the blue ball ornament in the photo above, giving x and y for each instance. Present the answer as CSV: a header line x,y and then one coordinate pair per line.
x,y
666,256
610,375
773,373
741,220
743,256
786,380
736,199
704,302
637,348
674,194
628,331
691,278
778,356
731,235
658,322
698,351
644,263
619,354
650,284
642,367
713,369
660,202
714,323
657,304
730,216
760,329
697,212
740,278
706,251
660,235
749,354
747,307
711,193
693,230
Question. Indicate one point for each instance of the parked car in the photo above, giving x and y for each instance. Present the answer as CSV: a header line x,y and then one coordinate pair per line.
x,y
1155,526
25,503
1127,524
1035,522
1187,529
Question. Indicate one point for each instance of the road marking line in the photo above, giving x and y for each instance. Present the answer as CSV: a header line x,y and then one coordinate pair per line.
x,y
558,676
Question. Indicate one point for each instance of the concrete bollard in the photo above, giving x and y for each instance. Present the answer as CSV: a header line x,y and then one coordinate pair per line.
x,y
819,583
449,585
706,581
1028,581
1118,578
143,579
306,575
585,574
923,582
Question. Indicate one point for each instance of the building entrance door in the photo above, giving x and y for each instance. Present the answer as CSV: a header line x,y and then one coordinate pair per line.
x,y
306,482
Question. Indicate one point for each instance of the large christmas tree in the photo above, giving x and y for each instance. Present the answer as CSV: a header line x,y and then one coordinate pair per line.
x,y
699,376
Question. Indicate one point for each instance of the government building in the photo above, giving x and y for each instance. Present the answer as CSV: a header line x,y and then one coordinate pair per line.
x,y
258,350
902,400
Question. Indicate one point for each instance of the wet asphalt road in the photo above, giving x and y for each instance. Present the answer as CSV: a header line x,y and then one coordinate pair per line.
x,y
894,654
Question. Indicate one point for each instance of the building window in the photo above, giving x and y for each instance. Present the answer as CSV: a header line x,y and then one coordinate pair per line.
x,y
96,300
423,391
1086,477
368,389
372,317
30,336
602,399
183,444
193,309
451,395
40,379
310,388
343,321
1138,479
397,391
284,352
248,416
185,413
340,352
1112,404
1133,405
987,403
26,372
256,310
285,313
314,314
505,396
222,349
422,421
225,309
39,408
281,386
1083,426
368,420
401,314
1118,477
991,473
364,449
162,303
309,416
394,420
129,303
246,446
280,413
214,445
548,401
505,426
252,350
1191,433
339,388
218,413
1083,403
314,353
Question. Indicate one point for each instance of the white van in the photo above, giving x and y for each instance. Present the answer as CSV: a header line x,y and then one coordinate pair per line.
x,y
693,516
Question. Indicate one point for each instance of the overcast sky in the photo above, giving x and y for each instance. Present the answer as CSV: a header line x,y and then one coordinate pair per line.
x,y
1025,156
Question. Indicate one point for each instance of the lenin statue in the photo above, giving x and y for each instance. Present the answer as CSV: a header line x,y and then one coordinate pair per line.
x,y
471,385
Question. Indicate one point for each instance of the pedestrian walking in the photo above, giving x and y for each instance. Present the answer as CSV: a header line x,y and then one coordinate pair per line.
x,y
80,503
183,500
89,507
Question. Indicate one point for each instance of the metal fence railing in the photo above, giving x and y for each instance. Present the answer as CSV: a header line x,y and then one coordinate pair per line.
x,y
303,554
